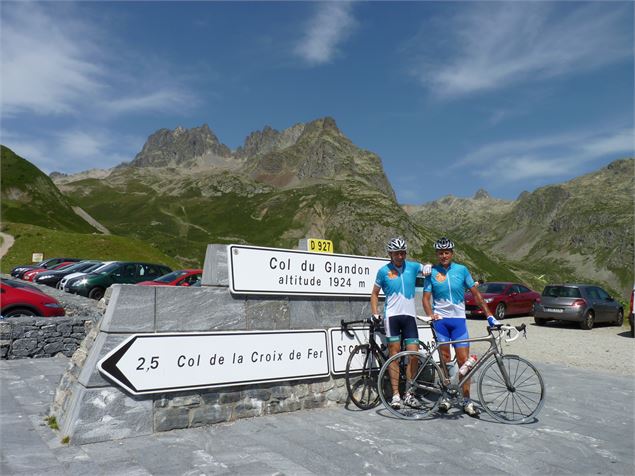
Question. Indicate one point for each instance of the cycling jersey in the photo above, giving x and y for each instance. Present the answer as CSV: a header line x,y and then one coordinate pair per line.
x,y
448,288
398,285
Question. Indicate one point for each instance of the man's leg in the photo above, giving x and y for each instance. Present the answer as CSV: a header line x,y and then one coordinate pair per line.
x,y
394,348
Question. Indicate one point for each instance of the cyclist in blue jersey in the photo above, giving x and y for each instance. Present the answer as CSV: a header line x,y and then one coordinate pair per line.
x,y
397,280
443,300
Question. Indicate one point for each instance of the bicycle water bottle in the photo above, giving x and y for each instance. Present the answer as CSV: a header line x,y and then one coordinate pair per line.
x,y
469,363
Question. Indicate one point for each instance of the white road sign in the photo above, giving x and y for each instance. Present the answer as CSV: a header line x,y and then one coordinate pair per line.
x,y
254,270
158,363
342,345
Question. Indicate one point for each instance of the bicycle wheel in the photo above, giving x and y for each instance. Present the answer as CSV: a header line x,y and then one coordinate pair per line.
x,y
523,401
362,369
425,384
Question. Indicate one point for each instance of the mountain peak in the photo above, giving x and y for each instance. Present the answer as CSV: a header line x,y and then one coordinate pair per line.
x,y
167,147
481,194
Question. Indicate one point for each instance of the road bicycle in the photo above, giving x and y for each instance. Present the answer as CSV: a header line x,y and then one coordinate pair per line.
x,y
363,364
365,361
510,388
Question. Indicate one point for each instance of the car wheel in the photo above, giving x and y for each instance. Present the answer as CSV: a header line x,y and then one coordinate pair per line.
x,y
20,311
588,320
96,293
540,322
500,311
620,318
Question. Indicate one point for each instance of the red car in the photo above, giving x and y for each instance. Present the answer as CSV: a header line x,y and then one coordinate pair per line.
x,y
503,299
17,299
32,274
183,277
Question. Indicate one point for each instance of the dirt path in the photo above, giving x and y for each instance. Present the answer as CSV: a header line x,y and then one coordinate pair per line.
x,y
79,211
7,242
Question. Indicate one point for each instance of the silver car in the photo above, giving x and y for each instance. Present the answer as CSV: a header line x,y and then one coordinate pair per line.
x,y
583,303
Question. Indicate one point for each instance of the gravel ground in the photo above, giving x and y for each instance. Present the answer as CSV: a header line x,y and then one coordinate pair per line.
x,y
604,348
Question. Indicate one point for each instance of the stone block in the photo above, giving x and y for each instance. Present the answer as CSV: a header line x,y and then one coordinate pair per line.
x,y
248,409
215,272
198,309
53,348
64,329
105,414
262,394
24,345
230,397
315,313
171,418
210,414
265,313
360,308
130,309
90,375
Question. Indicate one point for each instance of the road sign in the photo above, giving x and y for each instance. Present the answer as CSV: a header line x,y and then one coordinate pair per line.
x,y
320,246
159,363
37,257
342,345
256,270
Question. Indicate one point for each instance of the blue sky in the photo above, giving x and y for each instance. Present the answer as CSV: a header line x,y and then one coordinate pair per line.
x,y
453,96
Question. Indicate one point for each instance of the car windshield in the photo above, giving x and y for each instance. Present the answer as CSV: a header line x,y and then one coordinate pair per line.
x,y
93,267
109,268
561,291
166,278
491,288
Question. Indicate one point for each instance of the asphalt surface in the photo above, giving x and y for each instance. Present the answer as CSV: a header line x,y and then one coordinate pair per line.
x,y
585,427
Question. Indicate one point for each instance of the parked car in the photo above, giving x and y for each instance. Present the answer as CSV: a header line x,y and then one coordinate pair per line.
x,y
52,277
630,314
94,285
33,273
582,303
18,271
20,300
503,299
62,284
183,277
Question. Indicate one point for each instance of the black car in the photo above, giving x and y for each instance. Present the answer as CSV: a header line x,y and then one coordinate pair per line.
x,y
94,285
54,276
582,303
19,271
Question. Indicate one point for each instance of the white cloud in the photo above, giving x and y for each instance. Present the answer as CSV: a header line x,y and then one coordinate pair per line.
x,y
546,157
74,150
57,63
487,46
330,26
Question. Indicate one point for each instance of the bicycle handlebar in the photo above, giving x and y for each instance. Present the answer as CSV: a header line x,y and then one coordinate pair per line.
x,y
518,329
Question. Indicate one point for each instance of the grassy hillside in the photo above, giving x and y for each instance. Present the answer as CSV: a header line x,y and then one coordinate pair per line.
x,y
581,230
29,196
31,238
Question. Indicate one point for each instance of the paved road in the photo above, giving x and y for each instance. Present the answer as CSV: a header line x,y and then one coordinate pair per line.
x,y
586,427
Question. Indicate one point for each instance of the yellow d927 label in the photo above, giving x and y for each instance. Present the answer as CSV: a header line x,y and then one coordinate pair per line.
x,y
320,246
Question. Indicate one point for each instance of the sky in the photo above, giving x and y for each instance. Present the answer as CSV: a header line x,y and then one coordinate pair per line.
x,y
453,96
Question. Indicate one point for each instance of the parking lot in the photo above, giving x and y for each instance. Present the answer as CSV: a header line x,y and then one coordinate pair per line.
x,y
605,348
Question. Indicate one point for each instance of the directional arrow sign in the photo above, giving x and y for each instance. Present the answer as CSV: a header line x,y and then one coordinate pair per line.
x,y
159,363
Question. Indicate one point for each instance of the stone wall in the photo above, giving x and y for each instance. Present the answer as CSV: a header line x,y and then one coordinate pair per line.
x,y
24,337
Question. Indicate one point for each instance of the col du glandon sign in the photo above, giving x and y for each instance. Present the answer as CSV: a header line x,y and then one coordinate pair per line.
x,y
254,270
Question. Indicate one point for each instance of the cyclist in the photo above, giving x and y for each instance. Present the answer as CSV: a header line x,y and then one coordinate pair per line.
x,y
443,300
397,280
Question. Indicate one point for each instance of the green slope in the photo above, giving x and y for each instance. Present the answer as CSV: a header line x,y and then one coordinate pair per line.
x,y
30,239
29,196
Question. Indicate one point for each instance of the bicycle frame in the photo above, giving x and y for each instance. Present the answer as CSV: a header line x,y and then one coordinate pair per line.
x,y
493,350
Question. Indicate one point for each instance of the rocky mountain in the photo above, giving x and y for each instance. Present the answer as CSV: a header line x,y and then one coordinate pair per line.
x,y
308,180
579,230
